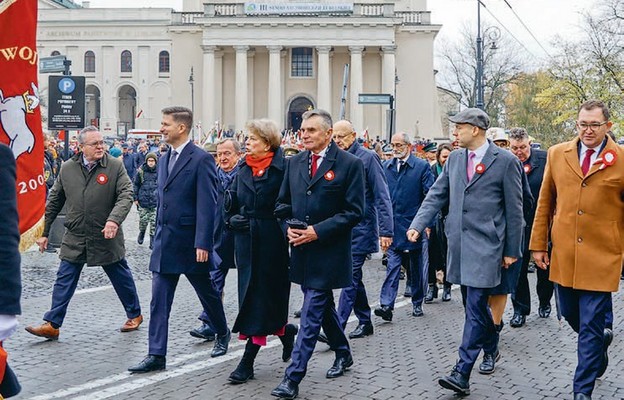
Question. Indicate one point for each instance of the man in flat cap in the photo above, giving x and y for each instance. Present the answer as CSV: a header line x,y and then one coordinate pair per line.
x,y
481,185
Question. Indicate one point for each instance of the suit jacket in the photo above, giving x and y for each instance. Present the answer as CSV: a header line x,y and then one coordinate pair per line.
x,y
587,218
537,166
408,189
485,220
10,276
186,213
333,202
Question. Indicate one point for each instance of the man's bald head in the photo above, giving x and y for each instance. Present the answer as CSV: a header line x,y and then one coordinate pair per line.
x,y
344,135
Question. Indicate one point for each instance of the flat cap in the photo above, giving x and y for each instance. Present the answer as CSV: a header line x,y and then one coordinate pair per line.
x,y
472,116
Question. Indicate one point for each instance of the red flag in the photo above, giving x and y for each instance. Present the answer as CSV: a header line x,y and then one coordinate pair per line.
x,y
140,113
20,115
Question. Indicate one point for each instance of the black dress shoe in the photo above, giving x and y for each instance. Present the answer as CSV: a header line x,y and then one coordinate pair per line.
x,y
385,312
221,345
517,320
417,311
446,293
243,372
361,331
581,396
149,363
608,338
544,311
297,314
341,364
204,332
287,389
432,293
488,365
456,382
322,337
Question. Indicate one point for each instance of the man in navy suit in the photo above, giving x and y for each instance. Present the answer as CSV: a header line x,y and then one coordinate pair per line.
x,y
323,189
409,180
183,243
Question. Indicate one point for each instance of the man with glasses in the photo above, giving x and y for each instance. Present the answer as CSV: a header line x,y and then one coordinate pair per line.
x,y
97,193
580,209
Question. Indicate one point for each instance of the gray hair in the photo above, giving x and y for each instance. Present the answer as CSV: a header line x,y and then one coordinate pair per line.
x,y
83,133
235,143
518,134
325,116
406,137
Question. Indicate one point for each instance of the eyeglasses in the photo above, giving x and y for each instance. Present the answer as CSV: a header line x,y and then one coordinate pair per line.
x,y
398,145
95,144
593,126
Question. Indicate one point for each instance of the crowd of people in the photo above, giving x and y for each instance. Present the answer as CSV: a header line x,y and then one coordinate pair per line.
x,y
472,213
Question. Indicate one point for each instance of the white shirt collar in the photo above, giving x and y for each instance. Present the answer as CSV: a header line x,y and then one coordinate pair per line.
x,y
181,147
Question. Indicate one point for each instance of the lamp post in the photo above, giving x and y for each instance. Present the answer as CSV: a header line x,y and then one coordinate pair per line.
x,y
191,81
494,35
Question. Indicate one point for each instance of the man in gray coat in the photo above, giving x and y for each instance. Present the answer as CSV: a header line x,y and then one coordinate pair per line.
x,y
482,187
97,194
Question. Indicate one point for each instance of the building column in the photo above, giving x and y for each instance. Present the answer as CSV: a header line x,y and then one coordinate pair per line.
x,y
388,76
241,102
209,92
323,79
356,113
275,85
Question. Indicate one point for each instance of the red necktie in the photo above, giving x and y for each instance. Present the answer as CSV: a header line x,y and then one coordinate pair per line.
x,y
587,161
313,168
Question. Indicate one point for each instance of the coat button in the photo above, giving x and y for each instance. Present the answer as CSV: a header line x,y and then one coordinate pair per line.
x,y
309,192
164,206
465,229
307,217
465,211
583,184
580,240
166,190
580,212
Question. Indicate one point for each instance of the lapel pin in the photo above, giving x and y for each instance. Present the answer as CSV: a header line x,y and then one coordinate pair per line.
x,y
329,175
102,179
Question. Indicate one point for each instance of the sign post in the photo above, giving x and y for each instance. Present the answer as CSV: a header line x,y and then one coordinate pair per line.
x,y
368,98
66,109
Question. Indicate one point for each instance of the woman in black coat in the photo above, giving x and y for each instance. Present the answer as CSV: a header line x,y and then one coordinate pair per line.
x,y
260,247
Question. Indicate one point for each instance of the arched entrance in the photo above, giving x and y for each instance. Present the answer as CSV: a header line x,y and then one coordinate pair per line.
x,y
127,106
93,105
297,107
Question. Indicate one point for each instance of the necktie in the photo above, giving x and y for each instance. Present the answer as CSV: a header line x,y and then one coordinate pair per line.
x,y
470,167
172,160
91,165
587,161
401,165
314,166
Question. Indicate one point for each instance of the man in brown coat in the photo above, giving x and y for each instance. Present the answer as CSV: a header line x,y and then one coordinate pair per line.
x,y
582,198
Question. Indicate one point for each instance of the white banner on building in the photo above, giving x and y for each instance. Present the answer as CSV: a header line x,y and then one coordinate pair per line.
x,y
297,8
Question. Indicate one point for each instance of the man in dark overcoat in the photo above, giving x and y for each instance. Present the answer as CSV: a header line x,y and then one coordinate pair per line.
x,y
183,244
324,188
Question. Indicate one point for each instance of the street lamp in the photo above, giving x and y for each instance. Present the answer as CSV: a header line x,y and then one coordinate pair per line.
x,y
493,34
191,80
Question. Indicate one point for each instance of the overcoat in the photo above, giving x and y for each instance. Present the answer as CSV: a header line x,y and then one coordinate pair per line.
x,y
587,218
333,202
261,251
535,174
186,213
485,220
91,199
224,237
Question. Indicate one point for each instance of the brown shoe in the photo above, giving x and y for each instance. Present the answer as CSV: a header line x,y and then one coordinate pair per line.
x,y
132,324
45,330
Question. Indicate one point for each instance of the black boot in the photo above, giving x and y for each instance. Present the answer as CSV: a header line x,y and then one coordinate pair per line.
x,y
288,341
141,237
446,293
244,370
432,293
151,246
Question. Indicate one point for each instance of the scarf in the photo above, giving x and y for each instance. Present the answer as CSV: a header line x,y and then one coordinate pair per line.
x,y
259,164
226,178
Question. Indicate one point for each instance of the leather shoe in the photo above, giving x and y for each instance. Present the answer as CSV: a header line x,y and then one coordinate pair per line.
x,y
456,382
297,314
417,311
488,365
446,293
132,324
221,345
608,338
432,293
204,332
581,396
517,320
544,311
45,330
150,363
287,389
341,364
322,337
361,331
385,312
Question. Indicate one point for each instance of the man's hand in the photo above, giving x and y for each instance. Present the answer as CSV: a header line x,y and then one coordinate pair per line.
x,y
110,230
385,242
507,261
202,255
42,242
413,235
541,259
297,237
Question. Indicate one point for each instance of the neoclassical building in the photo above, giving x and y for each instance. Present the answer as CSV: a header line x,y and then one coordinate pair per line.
x,y
232,61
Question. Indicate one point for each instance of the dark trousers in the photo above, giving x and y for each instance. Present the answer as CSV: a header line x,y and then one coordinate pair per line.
x,y
163,290
218,281
586,312
67,279
478,328
318,311
417,277
521,298
354,297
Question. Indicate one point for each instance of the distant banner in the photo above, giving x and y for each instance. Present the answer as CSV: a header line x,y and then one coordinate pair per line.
x,y
297,8
20,114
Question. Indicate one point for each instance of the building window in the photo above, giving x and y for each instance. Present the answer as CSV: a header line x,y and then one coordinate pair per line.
x,y
126,61
89,61
302,62
163,61
55,53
